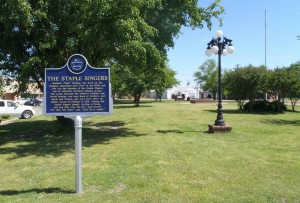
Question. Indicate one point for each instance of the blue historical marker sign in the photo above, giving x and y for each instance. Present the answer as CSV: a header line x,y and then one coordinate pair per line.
x,y
77,89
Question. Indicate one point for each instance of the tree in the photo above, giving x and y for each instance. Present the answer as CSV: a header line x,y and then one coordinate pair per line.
x,y
1,85
294,83
246,83
285,83
35,35
164,80
279,82
166,18
207,76
136,80
134,34
130,82
234,84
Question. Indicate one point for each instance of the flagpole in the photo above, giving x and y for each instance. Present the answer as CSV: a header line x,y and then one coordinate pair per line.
x,y
265,37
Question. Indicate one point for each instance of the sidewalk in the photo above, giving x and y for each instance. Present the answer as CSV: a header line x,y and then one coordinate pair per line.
x,y
7,121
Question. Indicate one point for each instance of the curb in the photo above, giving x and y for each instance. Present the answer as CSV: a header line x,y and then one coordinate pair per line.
x,y
8,121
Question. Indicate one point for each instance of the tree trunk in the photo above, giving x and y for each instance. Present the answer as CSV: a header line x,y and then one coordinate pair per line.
x,y
137,97
138,100
240,104
293,103
278,102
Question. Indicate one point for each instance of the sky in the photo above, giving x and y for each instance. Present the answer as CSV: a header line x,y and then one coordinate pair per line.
x,y
243,22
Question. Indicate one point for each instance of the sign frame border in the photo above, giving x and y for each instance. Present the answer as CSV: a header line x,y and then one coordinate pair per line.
x,y
110,102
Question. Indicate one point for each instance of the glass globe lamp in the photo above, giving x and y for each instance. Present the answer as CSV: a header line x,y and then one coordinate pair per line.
x,y
219,33
208,52
230,49
224,52
215,49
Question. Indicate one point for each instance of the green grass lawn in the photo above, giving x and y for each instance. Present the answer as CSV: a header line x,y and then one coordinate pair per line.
x,y
159,152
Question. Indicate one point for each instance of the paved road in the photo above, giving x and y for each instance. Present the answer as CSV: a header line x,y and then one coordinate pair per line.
x,y
38,110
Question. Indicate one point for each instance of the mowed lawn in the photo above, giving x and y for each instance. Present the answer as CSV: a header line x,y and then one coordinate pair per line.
x,y
159,152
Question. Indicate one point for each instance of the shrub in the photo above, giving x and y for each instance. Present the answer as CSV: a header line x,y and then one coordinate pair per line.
x,y
5,116
278,106
265,106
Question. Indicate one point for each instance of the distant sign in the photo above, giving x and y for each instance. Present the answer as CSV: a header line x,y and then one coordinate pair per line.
x,y
77,89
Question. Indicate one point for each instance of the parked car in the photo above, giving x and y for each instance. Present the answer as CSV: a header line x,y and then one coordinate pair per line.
x,y
33,102
12,108
40,99
22,100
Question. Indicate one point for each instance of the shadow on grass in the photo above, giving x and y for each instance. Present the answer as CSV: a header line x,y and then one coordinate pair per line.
x,y
233,111
44,138
103,132
170,131
176,131
130,106
36,190
293,111
124,104
130,102
282,122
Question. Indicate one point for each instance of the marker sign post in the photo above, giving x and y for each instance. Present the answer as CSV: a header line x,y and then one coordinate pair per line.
x,y
77,90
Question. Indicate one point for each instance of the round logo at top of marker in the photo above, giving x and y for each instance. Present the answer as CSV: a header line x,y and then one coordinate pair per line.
x,y
77,63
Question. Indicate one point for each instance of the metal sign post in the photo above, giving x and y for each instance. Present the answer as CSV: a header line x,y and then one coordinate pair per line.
x,y
78,154
75,91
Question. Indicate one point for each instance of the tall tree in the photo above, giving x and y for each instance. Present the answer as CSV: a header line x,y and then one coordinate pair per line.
x,y
164,80
234,83
246,83
279,82
207,76
129,82
294,84
130,33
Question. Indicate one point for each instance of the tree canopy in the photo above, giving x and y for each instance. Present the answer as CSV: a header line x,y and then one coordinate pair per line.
x,y
252,82
294,91
132,34
246,83
285,83
207,76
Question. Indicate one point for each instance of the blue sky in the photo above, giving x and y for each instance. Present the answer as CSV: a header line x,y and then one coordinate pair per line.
x,y
244,23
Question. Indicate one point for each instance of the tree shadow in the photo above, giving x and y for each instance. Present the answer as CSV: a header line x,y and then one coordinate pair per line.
x,y
43,138
176,131
36,190
131,102
103,132
282,122
293,111
130,106
241,112
170,131
124,104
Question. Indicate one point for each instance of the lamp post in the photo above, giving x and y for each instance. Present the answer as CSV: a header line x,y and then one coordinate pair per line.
x,y
222,46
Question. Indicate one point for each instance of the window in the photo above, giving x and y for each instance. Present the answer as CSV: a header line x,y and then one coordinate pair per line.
x,y
1,103
10,104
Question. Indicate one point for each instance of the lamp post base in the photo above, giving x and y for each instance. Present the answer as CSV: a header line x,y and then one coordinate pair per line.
x,y
219,129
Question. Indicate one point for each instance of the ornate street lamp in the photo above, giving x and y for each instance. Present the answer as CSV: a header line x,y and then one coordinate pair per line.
x,y
221,46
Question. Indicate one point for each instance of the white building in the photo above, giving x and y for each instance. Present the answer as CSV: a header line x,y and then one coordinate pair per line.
x,y
186,92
